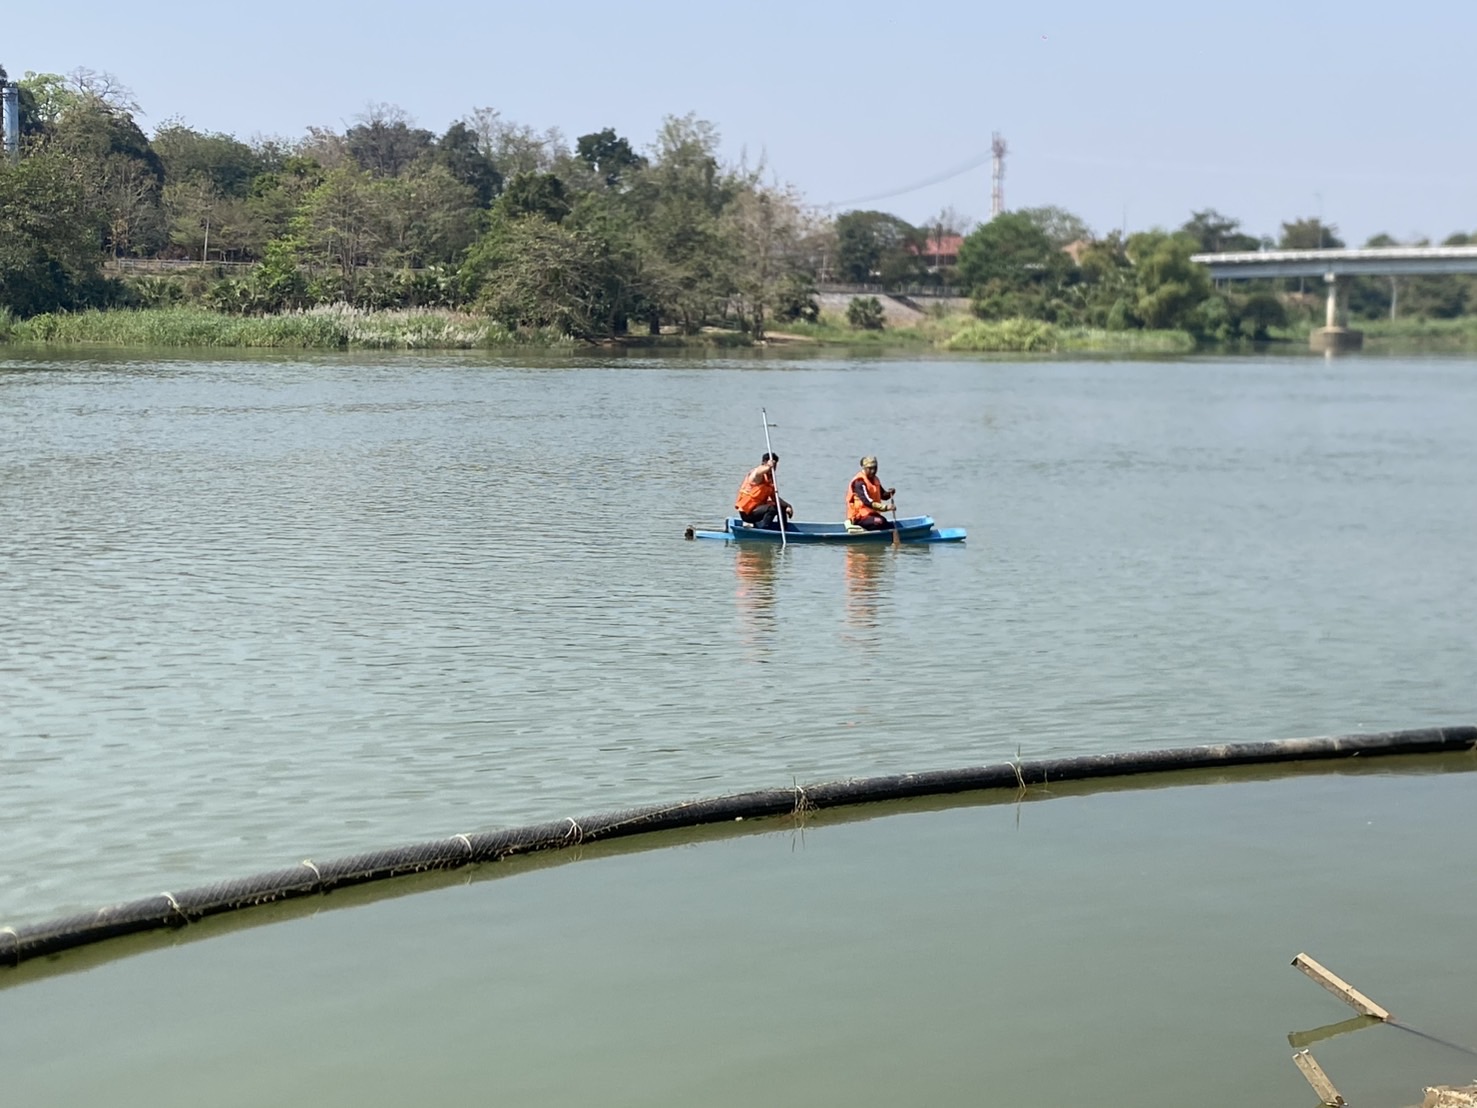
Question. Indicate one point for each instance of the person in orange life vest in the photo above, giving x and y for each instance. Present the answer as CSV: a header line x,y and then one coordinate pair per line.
x,y
757,502
866,499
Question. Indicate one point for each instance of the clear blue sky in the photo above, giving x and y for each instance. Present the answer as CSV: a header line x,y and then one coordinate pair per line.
x,y
1140,111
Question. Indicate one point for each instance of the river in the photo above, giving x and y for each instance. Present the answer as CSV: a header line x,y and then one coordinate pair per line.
x,y
261,608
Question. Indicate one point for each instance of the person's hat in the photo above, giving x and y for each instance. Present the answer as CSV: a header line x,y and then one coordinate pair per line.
x,y
869,462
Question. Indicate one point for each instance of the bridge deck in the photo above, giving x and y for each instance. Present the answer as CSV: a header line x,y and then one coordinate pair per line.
x,y
1384,261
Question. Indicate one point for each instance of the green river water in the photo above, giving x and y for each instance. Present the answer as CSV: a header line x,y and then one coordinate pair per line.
x,y
258,609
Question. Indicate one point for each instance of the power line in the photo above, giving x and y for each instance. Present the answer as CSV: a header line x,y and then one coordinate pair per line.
x,y
937,179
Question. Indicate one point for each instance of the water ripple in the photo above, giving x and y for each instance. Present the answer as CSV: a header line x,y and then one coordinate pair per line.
x,y
256,610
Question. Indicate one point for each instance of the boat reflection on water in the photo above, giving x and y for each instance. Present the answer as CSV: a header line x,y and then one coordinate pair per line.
x,y
865,566
754,565
809,587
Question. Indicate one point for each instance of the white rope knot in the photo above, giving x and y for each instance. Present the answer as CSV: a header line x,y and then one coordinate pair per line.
x,y
309,863
466,842
175,905
576,832
15,938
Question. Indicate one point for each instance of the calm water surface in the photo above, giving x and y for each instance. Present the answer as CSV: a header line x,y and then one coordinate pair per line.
x,y
1127,948
259,609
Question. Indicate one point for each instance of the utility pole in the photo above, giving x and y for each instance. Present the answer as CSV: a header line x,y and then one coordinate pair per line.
x,y
997,175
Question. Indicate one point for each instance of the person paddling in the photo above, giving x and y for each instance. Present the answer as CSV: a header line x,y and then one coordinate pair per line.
x,y
758,503
866,499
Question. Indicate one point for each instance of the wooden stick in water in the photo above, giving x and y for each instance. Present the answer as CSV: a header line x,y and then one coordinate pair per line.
x,y
1340,988
1318,1079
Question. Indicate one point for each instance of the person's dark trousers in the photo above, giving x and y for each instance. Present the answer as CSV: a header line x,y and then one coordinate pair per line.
x,y
766,515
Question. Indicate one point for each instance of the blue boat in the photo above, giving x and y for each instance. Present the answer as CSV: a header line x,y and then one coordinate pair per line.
x,y
911,529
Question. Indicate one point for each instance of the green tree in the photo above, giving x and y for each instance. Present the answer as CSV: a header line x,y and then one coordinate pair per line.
x,y
1170,287
1215,233
428,217
1011,249
1061,227
48,247
535,194
1258,311
49,97
1375,297
341,225
278,282
202,221
122,173
130,196
384,143
514,148
609,156
678,201
228,164
459,154
1309,234
877,246
1444,296
277,195
766,226
1107,288
865,313
538,274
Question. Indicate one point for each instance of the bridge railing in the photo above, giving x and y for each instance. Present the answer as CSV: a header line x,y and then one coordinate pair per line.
x,y
1375,261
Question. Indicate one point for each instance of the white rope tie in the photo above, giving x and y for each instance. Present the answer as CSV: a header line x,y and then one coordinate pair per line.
x,y
466,842
576,832
309,863
175,905
15,936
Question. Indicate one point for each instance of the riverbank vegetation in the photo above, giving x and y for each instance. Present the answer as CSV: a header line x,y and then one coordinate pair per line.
x,y
489,233
1032,336
325,328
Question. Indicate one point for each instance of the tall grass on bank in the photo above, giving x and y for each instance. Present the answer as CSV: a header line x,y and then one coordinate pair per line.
x,y
1419,334
1426,335
328,328
1032,336
832,331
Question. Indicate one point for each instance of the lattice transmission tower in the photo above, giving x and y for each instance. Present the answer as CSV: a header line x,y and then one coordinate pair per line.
x,y
997,175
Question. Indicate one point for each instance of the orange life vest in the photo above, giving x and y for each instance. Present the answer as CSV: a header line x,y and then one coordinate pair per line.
x,y
858,509
756,491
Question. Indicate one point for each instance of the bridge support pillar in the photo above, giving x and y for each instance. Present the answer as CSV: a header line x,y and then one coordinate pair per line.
x,y
1334,336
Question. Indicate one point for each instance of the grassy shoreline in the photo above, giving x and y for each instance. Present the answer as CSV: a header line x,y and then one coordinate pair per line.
x,y
316,329
344,328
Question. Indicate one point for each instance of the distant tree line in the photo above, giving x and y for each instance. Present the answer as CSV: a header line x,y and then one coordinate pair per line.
x,y
590,239
491,216
1046,264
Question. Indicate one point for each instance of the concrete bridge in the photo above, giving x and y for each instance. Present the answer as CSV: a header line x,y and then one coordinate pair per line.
x,y
1335,267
